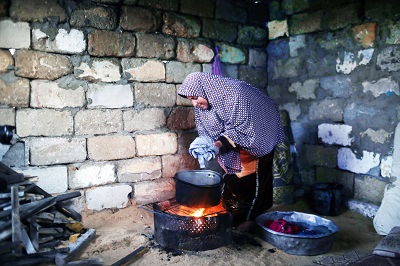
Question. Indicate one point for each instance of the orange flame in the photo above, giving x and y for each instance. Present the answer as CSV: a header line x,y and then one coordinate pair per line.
x,y
198,213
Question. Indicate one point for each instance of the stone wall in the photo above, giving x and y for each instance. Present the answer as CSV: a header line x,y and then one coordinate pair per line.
x,y
91,88
334,66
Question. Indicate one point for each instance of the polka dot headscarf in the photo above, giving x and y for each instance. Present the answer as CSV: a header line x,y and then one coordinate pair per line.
x,y
237,110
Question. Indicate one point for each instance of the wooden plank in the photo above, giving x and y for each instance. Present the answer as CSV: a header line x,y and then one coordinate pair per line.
x,y
86,262
30,249
132,256
60,206
35,207
82,241
16,233
34,232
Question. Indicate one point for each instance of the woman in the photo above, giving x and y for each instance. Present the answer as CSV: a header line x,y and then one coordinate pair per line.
x,y
244,124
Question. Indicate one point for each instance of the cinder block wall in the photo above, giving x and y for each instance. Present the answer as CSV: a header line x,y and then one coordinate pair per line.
x,y
91,88
334,66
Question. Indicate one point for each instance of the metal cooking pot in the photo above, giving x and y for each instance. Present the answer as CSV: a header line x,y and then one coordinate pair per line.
x,y
198,188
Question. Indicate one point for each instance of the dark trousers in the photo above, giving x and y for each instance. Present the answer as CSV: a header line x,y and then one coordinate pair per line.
x,y
251,195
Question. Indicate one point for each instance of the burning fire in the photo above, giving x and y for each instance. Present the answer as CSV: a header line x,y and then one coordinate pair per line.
x,y
198,213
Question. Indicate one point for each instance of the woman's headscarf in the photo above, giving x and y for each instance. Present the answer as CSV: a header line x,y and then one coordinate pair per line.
x,y
237,110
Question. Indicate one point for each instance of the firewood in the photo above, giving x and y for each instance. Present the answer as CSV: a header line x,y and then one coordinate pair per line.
x,y
83,240
15,219
131,257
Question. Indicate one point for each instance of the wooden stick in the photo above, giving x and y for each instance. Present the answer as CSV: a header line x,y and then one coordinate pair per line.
x,y
82,241
60,206
86,262
16,222
35,208
132,256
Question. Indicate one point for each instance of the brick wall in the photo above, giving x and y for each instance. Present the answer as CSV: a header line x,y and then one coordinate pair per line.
x,y
91,88
333,65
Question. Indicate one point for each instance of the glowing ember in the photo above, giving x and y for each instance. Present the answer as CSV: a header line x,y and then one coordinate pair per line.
x,y
198,213
195,212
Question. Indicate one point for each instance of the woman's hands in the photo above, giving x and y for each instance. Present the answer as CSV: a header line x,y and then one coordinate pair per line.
x,y
218,143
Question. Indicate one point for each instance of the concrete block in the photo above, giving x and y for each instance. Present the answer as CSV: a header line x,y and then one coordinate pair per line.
x,y
16,156
98,17
287,68
111,44
338,86
15,35
155,46
48,94
171,5
99,69
189,51
347,160
156,144
306,22
254,76
294,6
139,19
109,96
174,163
102,121
181,118
379,136
161,189
139,169
350,61
172,25
44,122
257,58
306,90
7,116
369,189
48,151
144,70
219,30
145,119
388,58
366,209
176,72
111,147
14,91
384,86
91,174
317,155
252,36
365,34
41,65
335,134
6,60
231,54
106,197
64,42
43,11
394,29
53,180
328,109
155,94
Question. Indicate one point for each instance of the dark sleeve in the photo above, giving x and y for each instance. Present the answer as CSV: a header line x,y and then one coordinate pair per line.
x,y
226,146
